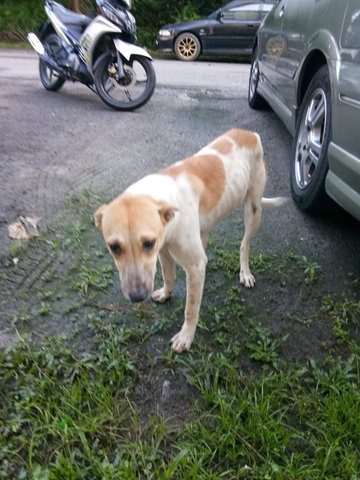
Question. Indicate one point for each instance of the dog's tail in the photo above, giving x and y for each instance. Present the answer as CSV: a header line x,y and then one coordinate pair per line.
x,y
273,202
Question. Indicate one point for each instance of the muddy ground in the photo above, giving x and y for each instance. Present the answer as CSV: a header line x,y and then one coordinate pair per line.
x,y
295,314
64,154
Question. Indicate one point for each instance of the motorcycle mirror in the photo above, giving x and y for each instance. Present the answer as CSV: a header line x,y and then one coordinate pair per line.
x,y
220,14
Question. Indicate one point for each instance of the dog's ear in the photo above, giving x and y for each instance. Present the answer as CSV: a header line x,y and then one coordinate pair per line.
x,y
98,216
166,212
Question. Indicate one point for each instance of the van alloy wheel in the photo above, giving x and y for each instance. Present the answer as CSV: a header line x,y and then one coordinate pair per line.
x,y
311,139
309,163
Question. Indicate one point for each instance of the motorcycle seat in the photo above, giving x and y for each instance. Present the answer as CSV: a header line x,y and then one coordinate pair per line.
x,y
69,17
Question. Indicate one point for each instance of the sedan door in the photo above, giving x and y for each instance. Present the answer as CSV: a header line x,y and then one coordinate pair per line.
x,y
236,28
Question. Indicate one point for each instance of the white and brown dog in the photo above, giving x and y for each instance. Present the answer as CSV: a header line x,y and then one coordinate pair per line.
x,y
170,215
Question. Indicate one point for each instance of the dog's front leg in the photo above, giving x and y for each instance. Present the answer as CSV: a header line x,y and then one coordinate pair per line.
x,y
168,273
195,276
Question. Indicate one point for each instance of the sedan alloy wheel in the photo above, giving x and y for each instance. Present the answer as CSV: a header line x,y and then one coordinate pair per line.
x,y
187,47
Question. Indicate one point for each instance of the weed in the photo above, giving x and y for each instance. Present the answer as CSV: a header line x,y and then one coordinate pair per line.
x,y
343,313
91,277
22,316
69,415
44,309
46,295
235,306
82,200
227,261
67,406
261,262
17,249
75,234
48,275
171,360
263,347
311,269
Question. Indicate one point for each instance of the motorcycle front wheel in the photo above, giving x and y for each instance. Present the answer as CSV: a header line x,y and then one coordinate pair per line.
x,y
126,93
50,78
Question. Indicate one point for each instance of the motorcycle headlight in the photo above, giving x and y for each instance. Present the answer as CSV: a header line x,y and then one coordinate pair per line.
x,y
131,22
110,15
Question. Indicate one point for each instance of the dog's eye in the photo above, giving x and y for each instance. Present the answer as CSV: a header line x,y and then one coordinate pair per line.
x,y
115,248
148,244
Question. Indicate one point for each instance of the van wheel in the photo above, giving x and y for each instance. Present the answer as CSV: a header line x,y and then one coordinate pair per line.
x,y
309,164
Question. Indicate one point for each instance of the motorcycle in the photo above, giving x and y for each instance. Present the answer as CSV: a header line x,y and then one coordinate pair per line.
x,y
99,52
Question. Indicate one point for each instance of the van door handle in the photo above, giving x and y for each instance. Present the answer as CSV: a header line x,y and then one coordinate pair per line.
x,y
282,11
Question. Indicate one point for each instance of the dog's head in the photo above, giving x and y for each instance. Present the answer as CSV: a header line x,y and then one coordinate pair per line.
x,y
133,229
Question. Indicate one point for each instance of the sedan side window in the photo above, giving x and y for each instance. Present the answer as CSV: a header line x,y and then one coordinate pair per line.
x,y
265,10
245,13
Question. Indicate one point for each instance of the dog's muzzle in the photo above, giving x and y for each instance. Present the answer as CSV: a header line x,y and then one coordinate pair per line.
x,y
136,287
138,295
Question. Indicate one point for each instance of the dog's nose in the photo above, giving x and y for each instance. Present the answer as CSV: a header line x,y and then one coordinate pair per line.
x,y
138,296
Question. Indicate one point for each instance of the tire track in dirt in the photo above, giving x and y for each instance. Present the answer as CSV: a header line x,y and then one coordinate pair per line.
x,y
65,160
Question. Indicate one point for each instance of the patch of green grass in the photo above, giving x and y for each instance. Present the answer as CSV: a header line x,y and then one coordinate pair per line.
x,y
90,277
48,274
60,412
261,262
44,309
285,425
75,234
83,199
343,313
22,316
227,260
90,406
263,347
17,249
311,269
67,415
282,265
15,45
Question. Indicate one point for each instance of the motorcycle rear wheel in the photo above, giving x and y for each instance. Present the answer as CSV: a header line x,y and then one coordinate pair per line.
x,y
129,93
50,78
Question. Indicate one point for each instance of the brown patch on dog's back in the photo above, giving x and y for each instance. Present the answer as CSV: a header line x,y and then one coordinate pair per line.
x,y
206,174
222,145
243,138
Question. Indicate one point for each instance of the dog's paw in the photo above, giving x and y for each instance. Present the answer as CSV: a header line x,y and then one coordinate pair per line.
x,y
181,342
247,279
160,296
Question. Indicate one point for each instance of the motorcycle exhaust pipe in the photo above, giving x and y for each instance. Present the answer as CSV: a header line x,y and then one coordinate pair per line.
x,y
40,50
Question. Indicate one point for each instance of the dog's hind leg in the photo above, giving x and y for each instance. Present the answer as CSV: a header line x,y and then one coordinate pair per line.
x,y
252,218
204,239
168,273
